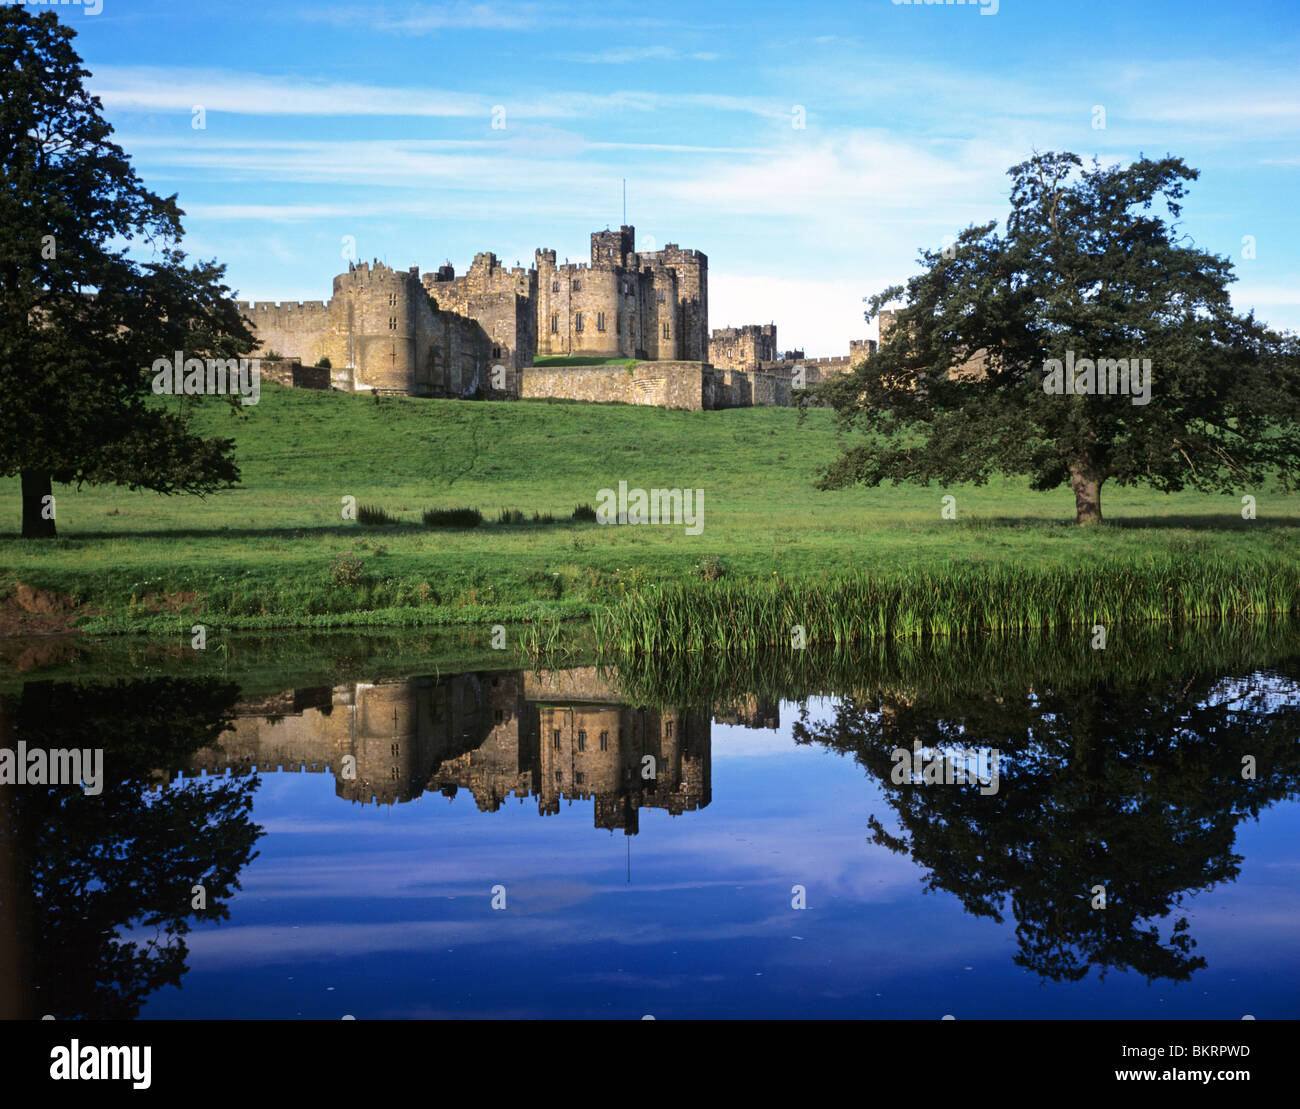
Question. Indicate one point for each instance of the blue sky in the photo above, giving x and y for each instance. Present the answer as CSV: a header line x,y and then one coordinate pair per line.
x,y
375,121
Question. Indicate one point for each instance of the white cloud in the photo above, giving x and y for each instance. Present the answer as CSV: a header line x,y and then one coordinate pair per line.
x,y
432,18
622,55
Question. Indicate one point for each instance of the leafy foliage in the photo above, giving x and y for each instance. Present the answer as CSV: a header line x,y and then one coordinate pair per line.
x,y
1089,264
81,320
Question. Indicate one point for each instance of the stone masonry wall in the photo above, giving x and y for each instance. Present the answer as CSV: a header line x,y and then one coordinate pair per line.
x,y
665,384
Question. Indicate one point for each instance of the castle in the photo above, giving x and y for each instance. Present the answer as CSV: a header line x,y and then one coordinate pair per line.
x,y
481,334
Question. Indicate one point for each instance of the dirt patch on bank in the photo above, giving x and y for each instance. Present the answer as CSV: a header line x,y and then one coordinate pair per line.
x,y
28,611
180,601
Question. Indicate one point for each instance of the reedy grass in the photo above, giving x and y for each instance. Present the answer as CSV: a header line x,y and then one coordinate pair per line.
x,y
998,598
1057,658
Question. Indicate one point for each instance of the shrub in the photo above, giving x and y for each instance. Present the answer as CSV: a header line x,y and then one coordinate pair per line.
x,y
273,356
711,568
585,512
348,569
372,516
323,364
452,517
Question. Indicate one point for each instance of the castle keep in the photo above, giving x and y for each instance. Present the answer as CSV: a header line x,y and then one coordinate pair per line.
x,y
479,334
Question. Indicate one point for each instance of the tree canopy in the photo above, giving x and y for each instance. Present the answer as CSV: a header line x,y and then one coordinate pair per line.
x,y
81,318
1089,342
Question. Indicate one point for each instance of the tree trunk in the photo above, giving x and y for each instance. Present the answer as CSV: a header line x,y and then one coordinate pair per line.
x,y
1086,483
38,511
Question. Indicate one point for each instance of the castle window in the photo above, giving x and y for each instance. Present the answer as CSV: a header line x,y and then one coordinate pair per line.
x,y
500,716
600,321
392,323
582,740
557,775
396,750
555,324
661,296
578,778
555,286
577,285
555,738
666,334
577,321
496,352
392,299
393,773
668,729
604,741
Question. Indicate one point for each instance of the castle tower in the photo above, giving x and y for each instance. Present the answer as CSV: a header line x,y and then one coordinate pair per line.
x,y
614,249
377,310
384,727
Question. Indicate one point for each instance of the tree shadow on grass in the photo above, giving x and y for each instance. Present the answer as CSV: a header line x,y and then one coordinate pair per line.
x,y
342,531
1204,522
349,531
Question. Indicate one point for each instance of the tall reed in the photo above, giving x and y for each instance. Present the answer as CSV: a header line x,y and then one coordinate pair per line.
x,y
731,614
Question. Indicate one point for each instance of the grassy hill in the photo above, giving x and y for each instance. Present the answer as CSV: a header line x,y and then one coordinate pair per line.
x,y
267,554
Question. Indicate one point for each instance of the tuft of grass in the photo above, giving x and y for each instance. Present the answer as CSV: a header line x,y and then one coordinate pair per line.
x,y
584,513
373,516
514,516
452,517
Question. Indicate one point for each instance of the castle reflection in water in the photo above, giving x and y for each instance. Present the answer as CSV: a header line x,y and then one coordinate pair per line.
x,y
547,734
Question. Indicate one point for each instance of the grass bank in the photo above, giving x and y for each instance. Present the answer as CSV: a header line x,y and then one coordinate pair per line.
x,y
277,552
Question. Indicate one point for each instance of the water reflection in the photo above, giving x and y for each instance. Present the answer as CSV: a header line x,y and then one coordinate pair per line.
x,y
97,891
1128,773
1136,789
552,735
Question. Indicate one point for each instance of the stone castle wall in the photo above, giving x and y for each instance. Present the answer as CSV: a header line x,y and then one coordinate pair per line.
x,y
381,326
295,375
742,348
661,384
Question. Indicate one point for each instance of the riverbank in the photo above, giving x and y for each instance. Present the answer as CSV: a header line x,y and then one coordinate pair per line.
x,y
277,552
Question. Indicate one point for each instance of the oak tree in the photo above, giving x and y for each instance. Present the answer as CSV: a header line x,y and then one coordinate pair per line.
x,y
1089,342
93,290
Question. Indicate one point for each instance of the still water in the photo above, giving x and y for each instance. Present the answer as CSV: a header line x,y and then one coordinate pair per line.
x,y
730,840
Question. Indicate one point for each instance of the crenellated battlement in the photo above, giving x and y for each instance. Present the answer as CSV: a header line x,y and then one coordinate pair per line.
x,y
281,305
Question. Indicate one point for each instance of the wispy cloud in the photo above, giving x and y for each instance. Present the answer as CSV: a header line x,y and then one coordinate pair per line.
x,y
179,89
432,18
623,55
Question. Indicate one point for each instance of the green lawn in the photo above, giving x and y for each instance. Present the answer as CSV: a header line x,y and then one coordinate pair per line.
x,y
581,360
261,556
